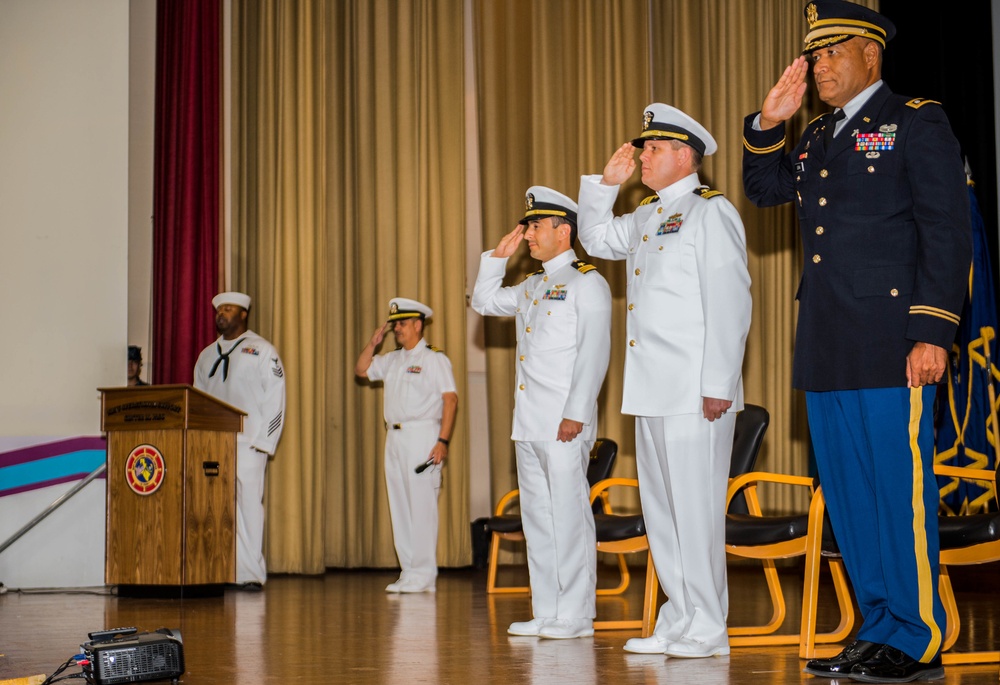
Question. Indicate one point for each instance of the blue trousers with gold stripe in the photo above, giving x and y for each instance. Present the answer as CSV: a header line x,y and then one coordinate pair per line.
x,y
875,456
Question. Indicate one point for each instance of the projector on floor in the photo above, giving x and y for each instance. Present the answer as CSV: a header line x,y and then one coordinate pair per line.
x,y
122,655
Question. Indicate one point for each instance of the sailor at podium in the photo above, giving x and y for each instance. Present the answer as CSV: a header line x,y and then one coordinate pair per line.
x,y
244,370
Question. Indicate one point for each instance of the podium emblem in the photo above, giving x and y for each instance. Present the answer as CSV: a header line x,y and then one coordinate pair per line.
x,y
144,470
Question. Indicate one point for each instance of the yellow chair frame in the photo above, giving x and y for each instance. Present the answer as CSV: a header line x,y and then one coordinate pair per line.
x,y
622,547
808,546
974,554
506,503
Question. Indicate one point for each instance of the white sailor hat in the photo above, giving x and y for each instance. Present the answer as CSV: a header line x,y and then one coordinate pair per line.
x,y
232,297
663,122
540,202
402,308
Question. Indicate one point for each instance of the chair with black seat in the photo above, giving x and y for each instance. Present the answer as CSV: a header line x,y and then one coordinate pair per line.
x,y
750,534
505,524
966,539
620,533
624,534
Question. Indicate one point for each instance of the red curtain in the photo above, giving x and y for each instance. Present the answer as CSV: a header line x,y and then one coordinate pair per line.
x,y
186,180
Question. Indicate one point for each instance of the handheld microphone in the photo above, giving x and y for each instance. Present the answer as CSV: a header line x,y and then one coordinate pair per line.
x,y
426,465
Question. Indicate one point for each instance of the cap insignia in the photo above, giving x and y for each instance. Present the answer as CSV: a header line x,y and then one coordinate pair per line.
x,y
812,15
529,201
393,308
647,119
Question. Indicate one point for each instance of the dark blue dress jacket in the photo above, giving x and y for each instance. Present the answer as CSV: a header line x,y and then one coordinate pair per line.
x,y
886,237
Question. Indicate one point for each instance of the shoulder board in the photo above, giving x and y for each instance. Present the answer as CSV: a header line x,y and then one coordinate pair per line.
x,y
816,118
650,200
433,349
534,273
707,193
917,103
582,266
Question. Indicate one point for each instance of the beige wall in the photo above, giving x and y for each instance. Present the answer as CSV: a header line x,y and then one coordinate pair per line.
x,y
63,211
141,99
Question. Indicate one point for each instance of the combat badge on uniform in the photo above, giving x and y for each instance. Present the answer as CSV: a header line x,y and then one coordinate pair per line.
x,y
671,225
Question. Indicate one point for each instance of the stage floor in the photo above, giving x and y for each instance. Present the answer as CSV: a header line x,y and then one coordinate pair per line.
x,y
342,627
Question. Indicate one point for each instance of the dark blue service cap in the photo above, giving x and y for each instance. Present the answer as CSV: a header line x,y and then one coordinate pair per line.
x,y
834,21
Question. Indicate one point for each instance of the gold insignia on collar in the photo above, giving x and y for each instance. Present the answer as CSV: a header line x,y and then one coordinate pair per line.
x,y
529,201
647,119
867,120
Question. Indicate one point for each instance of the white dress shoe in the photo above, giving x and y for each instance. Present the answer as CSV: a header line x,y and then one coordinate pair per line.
x,y
394,586
412,587
689,648
567,628
527,628
654,644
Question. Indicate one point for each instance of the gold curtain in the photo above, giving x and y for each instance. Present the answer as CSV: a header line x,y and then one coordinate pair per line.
x,y
348,191
561,83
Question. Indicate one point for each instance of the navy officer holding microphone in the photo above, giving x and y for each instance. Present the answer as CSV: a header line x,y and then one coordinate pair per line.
x,y
419,406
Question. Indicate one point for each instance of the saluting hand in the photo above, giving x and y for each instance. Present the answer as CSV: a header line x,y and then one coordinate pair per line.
x,y
508,244
379,334
785,98
620,167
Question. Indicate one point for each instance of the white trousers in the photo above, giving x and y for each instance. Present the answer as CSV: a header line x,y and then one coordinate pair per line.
x,y
683,465
251,466
558,527
413,498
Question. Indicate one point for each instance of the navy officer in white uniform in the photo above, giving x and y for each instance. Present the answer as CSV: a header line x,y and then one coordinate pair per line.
x,y
687,322
563,314
419,405
244,370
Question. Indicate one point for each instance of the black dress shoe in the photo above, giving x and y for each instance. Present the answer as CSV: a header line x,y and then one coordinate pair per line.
x,y
840,666
889,665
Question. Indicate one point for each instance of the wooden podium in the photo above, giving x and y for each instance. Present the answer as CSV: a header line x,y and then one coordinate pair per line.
x,y
171,486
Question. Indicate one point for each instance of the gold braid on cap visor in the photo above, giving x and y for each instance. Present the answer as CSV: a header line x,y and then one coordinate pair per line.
x,y
665,134
831,31
545,212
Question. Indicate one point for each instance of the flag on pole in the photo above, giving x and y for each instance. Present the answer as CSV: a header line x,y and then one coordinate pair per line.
x,y
966,416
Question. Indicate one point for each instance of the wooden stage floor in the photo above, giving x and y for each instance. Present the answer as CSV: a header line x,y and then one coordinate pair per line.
x,y
342,627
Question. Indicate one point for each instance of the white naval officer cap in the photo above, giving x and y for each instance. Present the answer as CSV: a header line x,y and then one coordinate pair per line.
x,y
540,202
232,297
402,308
663,122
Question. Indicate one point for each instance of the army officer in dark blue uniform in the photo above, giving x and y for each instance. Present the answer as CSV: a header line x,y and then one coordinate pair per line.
x,y
884,220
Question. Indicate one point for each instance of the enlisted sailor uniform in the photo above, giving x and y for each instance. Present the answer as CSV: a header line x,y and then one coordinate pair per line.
x,y
688,314
414,381
563,314
884,223
247,373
